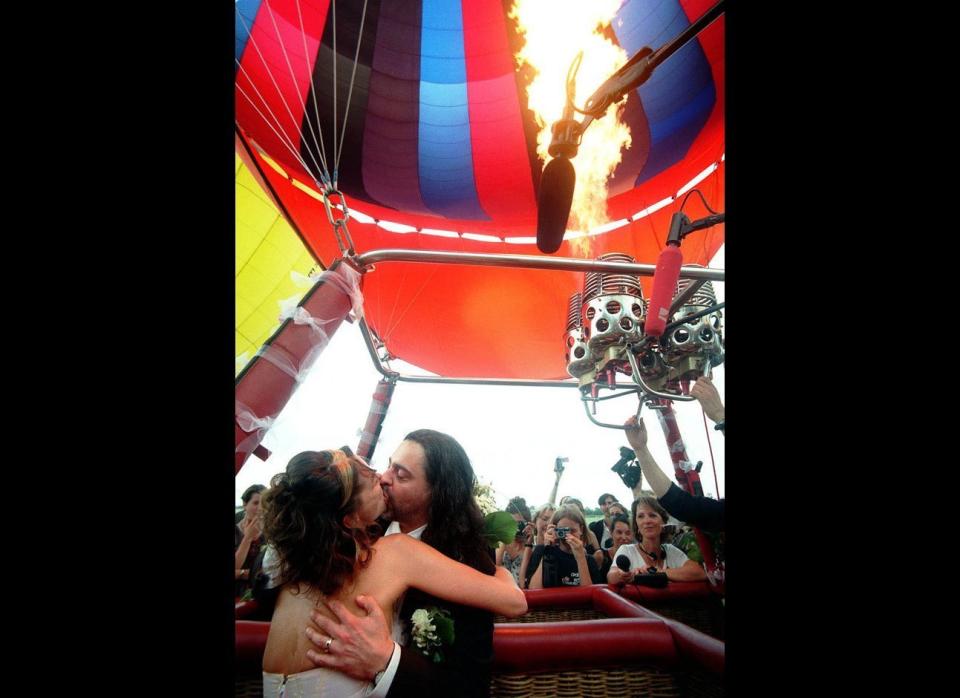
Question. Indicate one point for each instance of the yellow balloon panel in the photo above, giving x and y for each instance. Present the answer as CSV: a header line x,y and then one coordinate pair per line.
x,y
271,266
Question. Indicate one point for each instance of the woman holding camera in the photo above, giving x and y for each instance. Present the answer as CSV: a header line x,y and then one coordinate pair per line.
x,y
563,559
650,554
510,555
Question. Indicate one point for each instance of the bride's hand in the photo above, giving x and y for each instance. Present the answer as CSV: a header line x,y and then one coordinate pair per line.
x,y
361,645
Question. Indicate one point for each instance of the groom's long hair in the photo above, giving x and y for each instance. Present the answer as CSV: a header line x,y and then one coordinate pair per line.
x,y
454,523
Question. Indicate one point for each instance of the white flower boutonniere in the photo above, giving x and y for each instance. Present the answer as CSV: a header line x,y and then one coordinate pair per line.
x,y
485,497
432,628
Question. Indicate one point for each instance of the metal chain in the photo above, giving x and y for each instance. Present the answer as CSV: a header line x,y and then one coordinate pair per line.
x,y
340,227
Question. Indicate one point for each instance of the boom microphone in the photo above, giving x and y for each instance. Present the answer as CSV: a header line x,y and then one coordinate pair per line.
x,y
553,203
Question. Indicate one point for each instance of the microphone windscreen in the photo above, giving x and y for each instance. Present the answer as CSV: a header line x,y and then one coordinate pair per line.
x,y
553,203
665,278
623,562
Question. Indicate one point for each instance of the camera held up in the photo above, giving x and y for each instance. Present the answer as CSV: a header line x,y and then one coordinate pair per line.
x,y
627,467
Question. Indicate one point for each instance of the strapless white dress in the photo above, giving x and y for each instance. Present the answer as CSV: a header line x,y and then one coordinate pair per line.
x,y
315,683
321,682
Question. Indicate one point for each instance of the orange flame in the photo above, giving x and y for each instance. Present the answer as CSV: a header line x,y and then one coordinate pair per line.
x,y
555,31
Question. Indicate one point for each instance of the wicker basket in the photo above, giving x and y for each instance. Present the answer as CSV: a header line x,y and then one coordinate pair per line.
x,y
614,681
553,615
704,615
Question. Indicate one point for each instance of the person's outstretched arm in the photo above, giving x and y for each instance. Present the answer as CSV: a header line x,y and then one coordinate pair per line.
x,y
703,512
427,569
706,392
637,438
362,646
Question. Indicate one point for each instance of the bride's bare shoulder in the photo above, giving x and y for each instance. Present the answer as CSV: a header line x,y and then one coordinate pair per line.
x,y
389,554
397,548
396,544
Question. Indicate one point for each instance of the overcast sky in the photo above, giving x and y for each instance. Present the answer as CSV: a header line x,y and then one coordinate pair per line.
x,y
511,434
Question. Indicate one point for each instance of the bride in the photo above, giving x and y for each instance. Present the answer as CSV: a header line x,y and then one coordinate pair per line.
x,y
320,516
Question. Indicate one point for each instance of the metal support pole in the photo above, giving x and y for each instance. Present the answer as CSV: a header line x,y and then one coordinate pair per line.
x,y
378,412
525,261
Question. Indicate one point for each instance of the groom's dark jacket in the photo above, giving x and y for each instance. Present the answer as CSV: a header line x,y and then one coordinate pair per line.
x,y
465,669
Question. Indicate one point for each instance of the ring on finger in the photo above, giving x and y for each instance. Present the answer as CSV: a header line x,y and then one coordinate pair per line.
x,y
326,645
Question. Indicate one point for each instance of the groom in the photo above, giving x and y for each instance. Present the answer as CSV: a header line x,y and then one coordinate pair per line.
x,y
429,484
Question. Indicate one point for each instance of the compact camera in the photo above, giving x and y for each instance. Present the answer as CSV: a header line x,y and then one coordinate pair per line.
x,y
520,526
562,531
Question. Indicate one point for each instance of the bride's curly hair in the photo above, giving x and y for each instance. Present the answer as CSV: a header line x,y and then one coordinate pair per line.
x,y
303,519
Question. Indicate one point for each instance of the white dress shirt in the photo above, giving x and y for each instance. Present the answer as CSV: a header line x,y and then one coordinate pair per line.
x,y
386,680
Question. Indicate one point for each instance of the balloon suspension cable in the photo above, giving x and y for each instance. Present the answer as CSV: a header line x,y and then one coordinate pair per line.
x,y
285,138
296,85
346,111
282,136
334,4
313,94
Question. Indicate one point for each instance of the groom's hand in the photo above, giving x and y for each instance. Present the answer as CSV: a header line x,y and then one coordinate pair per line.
x,y
361,645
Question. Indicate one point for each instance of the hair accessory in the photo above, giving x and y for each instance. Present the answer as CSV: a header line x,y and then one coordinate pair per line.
x,y
342,463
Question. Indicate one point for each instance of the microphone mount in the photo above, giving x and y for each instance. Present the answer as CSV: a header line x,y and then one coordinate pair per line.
x,y
558,179
681,225
567,132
